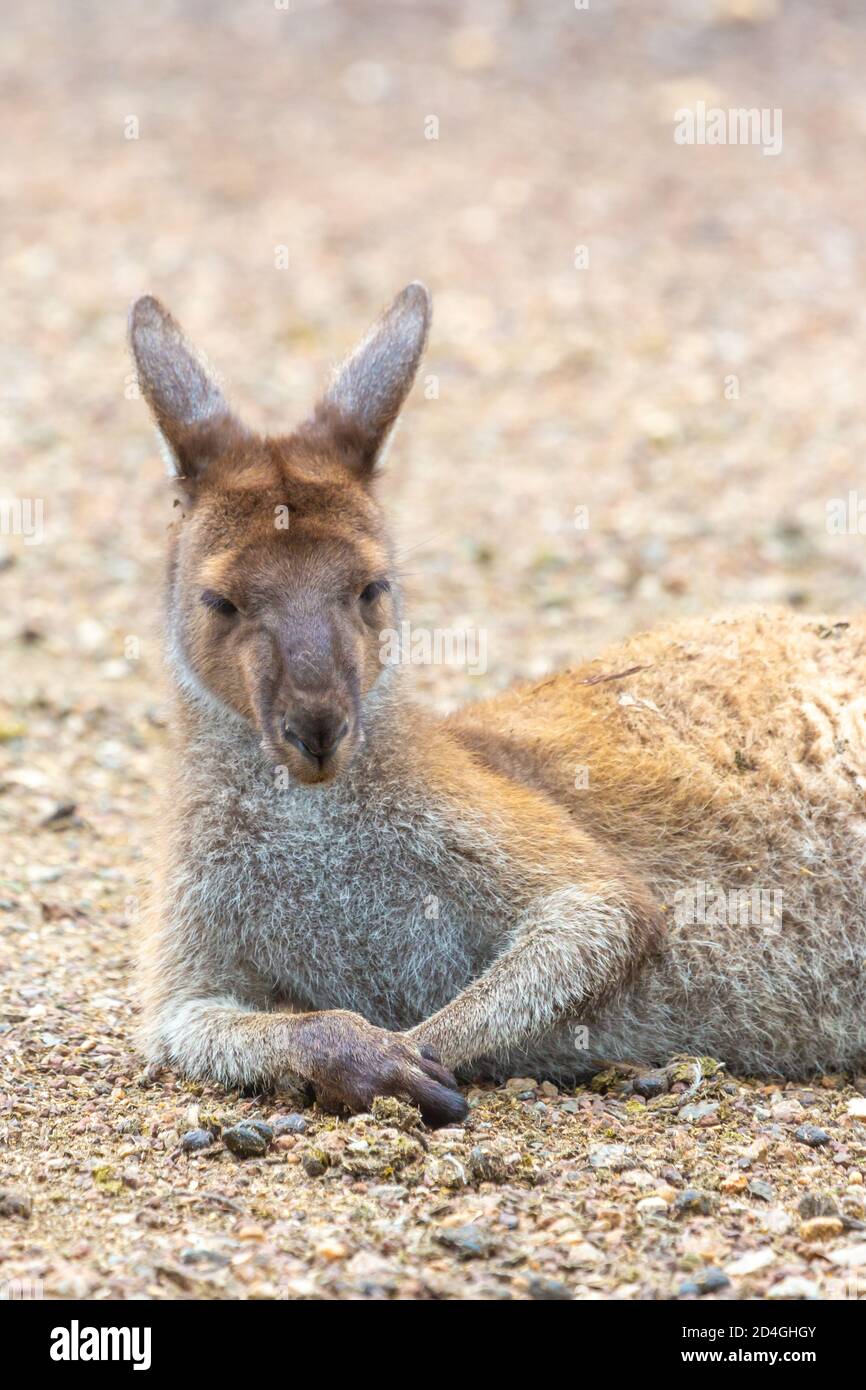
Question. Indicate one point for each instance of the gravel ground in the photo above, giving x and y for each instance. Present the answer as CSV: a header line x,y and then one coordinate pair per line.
x,y
695,386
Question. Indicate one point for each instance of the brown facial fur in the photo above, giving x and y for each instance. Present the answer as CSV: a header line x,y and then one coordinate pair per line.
x,y
284,530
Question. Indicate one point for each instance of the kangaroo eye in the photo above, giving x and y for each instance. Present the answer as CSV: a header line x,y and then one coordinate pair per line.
x,y
372,591
218,603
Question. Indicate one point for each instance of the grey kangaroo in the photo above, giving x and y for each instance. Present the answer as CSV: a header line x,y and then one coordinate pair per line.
x,y
356,892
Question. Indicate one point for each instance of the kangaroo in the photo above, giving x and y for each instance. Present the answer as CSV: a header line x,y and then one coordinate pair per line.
x,y
656,852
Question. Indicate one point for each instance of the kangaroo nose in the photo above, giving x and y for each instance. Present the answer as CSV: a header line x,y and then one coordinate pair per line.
x,y
315,736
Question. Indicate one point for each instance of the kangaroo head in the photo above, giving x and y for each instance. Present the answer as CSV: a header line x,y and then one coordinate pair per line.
x,y
280,574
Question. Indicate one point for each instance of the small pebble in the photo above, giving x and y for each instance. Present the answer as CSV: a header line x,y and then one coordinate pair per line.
x,y
751,1262
651,1206
289,1124
613,1156
775,1221
821,1228
193,1255
469,1242
793,1287
331,1250
853,1206
195,1140
246,1140
734,1182
261,1127
849,1256
694,1202
757,1151
15,1204
486,1166
549,1289
787,1112
707,1281
817,1204
812,1135
701,1112
759,1188
64,810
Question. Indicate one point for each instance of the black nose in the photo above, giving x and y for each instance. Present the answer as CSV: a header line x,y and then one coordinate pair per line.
x,y
315,736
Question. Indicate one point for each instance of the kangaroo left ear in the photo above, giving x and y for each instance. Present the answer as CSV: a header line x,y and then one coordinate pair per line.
x,y
368,390
193,418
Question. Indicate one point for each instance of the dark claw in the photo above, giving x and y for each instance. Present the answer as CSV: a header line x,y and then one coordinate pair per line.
x,y
439,1104
443,1107
440,1074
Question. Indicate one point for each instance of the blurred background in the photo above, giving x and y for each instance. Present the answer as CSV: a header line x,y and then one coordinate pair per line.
x,y
664,342
276,174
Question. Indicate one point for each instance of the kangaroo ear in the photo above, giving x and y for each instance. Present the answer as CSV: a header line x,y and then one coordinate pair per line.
x,y
364,399
191,413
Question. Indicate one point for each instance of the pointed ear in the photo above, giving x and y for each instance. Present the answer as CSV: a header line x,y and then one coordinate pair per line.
x,y
364,399
190,411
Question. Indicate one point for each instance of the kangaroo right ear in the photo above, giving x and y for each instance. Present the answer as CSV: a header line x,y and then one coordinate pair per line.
x,y
369,387
191,413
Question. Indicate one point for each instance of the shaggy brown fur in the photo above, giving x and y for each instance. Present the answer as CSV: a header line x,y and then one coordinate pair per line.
x,y
662,851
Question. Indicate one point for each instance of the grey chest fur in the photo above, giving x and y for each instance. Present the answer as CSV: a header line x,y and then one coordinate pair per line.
x,y
342,900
